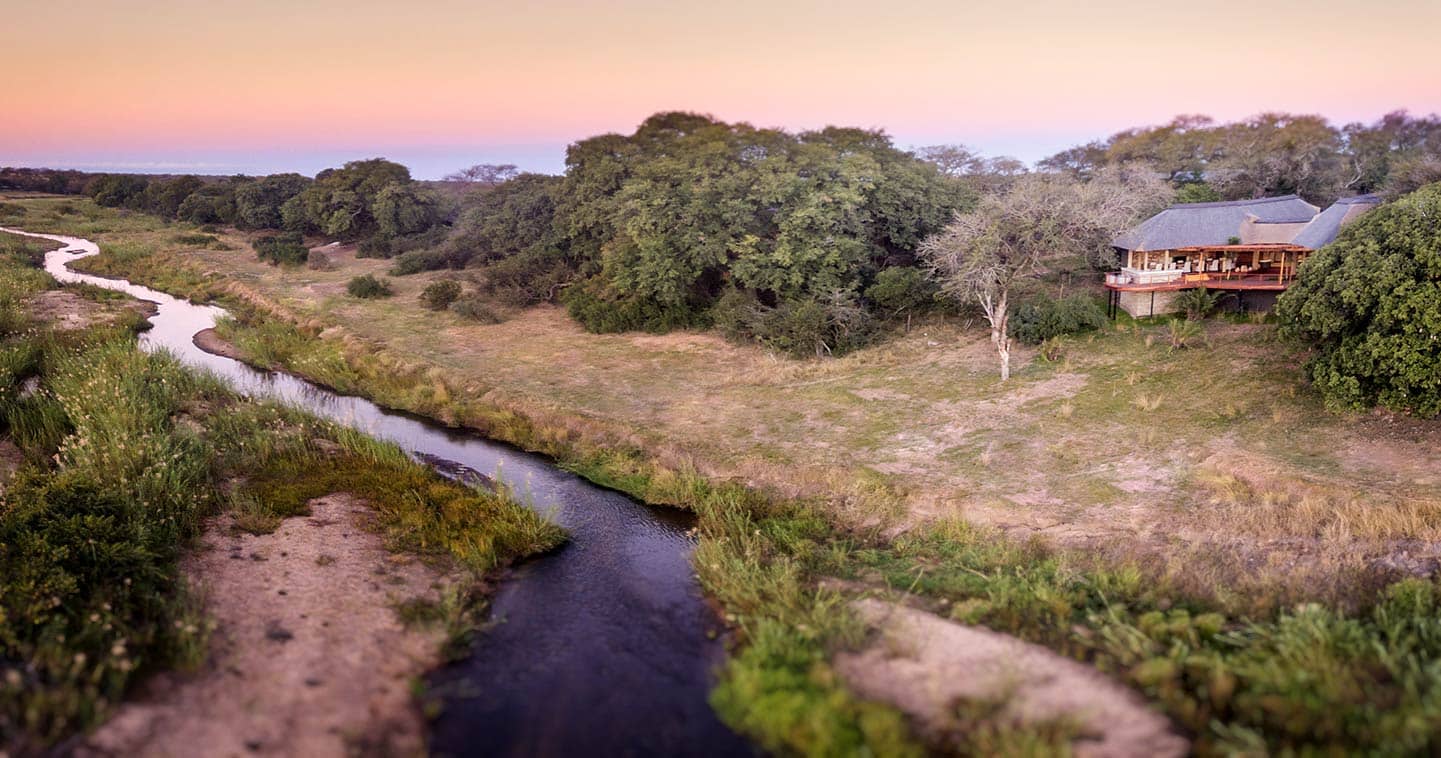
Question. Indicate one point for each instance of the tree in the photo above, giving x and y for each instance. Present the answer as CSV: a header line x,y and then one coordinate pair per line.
x,y
1279,153
340,202
1373,151
1369,304
1197,192
211,204
118,190
485,173
164,198
977,171
1081,161
258,203
404,209
952,160
982,256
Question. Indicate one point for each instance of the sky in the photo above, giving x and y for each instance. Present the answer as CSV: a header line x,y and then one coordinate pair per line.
x,y
224,86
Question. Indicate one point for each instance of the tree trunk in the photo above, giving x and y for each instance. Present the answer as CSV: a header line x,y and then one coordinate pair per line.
x,y
1002,340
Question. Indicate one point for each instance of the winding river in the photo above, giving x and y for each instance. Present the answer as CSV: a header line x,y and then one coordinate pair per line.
x,y
605,647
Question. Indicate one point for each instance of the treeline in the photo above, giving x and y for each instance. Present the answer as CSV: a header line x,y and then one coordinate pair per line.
x,y
1272,154
374,203
803,241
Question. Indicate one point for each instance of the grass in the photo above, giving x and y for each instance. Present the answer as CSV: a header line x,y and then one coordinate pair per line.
x,y
127,454
1254,611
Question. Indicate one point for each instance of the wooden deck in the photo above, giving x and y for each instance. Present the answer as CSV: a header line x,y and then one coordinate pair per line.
x,y
1271,283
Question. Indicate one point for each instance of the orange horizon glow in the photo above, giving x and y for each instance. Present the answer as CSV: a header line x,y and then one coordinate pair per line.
x,y
170,75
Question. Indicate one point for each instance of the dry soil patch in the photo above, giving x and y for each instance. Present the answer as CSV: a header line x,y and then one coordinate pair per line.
x,y
308,657
926,666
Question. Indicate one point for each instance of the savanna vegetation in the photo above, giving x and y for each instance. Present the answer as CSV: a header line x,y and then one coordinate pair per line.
x,y
1370,306
1191,521
120,457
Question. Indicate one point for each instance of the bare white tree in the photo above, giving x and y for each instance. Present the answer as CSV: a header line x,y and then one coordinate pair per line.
x,y
982,256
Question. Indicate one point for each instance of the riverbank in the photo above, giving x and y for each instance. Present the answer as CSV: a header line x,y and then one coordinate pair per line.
x,y
1146,606
131,469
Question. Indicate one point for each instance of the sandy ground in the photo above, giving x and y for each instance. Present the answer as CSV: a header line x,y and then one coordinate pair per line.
x,y
926,666
210,342
67,310
308,657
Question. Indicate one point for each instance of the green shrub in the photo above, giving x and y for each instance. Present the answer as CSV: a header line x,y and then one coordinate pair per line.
x,y
11,210
800,328
287,248
367,286
476,309
438,296
1041,318
901,290
1198,303
90,590
319,261
1370,305
601,311
415,262
197,240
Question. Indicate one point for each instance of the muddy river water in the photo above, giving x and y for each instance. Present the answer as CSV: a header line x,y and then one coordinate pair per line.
x,y
605,647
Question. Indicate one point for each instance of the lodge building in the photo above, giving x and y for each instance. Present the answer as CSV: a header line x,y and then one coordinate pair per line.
x,y
1249,248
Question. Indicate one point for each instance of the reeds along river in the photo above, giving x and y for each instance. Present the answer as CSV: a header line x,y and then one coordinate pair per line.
x,y
605,647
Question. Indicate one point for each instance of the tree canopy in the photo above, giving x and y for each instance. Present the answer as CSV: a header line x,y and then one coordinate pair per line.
x,y
1273,154
1370,305
983,256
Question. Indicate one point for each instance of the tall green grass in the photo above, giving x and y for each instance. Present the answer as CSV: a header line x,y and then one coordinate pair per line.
x,y
91,594
126,453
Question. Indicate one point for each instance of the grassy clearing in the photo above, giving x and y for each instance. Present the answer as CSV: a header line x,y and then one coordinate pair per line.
x,y
126,456
1235,680
1217,502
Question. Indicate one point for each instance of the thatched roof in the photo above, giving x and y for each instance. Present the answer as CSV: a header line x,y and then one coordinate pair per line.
x,y
1193,224
1324,228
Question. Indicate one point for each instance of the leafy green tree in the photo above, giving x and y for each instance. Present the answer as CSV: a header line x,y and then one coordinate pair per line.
x,y
118,190
164,198
258,204
402,209
340,203
1370,306
1197,192
211,204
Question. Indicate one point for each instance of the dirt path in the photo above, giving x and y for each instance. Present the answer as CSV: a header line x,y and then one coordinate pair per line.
x,y
308,657
926,666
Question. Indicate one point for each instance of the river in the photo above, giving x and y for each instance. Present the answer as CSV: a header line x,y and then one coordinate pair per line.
x,y
604,647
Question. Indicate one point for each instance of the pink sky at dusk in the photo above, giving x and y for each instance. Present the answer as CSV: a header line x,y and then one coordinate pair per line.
x,y
267,85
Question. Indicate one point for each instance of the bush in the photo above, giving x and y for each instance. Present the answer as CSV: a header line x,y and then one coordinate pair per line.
x,y
476,309
601,311
801,328
1370,304
438,296
417,261
319,261
282,249
11,210
197,240
1042,318
367,286
1198,303
901,289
